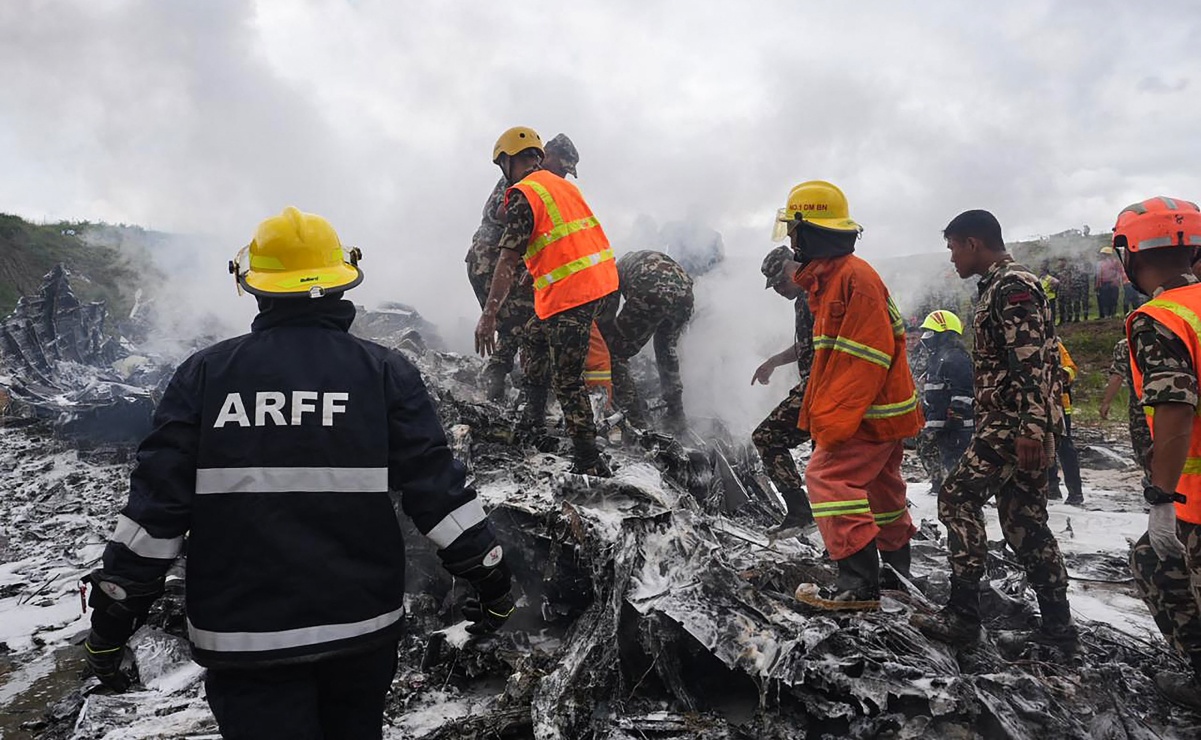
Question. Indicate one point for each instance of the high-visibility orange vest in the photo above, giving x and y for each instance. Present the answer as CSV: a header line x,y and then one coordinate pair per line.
x,y
569,255
1069,366
1179,310
598,370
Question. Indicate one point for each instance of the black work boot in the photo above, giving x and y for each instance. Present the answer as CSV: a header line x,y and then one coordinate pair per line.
x,y
799,517
674,421
899,561
1075,498
588,459
531,427
957,623
1182,688
494,383
1056,630
857,586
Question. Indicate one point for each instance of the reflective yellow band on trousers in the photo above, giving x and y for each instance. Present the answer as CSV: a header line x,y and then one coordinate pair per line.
x,y
841,508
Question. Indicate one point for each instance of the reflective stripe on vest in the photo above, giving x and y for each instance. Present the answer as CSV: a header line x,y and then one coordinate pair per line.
x,y
571,268
560,229
291,480
249,642
1187,326
597,376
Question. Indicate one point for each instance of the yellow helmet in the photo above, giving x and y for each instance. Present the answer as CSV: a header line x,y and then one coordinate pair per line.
x,y
818,202
942,320
296,255
515,141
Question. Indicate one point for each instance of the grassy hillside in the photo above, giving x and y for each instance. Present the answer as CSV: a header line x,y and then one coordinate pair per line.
x,y
1091,346
28,251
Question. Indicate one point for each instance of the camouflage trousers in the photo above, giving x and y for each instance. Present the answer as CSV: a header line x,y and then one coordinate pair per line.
x,y
516,312
555,352
982,473
1171,589
777,435
661,317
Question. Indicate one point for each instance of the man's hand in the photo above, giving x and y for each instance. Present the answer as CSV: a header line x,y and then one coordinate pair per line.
x,y
763,373
1032,455
485,335
1161,530
1104,410
104,658
487,617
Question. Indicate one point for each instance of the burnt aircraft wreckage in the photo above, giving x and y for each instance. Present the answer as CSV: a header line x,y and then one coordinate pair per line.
x,y
651,604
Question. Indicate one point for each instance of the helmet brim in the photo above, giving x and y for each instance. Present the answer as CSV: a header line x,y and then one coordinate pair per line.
x,y
300,283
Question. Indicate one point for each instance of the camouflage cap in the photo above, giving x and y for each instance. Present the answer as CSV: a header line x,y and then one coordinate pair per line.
x,y
773,264
565,150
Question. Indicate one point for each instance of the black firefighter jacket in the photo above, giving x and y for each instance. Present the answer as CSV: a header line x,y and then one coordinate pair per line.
x,y
947,393
275,452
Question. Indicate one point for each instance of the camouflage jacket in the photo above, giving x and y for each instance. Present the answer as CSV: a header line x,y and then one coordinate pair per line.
x,y
1018,383
1167,367
650,274
804,335
1119,365
486,237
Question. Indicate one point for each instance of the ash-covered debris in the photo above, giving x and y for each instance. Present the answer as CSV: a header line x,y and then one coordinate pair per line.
x,y
60,366
652,605
397,325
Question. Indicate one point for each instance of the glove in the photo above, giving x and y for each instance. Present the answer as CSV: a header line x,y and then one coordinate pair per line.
x,y
487,617
104,658
489,575
953,423
1161,530
119,605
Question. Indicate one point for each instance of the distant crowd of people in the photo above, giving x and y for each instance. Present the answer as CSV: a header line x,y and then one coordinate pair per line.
x,y
1068,284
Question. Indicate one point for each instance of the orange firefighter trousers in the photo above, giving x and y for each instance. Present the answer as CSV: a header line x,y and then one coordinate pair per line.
x,y
858,496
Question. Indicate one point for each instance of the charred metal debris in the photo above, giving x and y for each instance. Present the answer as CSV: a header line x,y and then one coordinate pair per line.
x,y
652,604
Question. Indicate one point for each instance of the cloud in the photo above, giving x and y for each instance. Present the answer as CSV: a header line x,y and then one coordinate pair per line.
x,y
206,118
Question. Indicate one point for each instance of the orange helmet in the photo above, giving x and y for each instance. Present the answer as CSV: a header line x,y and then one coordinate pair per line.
x,y
1156,223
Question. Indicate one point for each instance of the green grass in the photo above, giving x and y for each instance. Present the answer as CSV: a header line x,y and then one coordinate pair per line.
x,y
28,251
1091,346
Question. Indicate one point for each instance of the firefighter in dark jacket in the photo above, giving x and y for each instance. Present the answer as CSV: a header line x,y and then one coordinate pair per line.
x,y
947,393
275,453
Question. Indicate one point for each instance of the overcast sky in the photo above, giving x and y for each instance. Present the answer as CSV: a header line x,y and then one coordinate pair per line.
x,y
205,117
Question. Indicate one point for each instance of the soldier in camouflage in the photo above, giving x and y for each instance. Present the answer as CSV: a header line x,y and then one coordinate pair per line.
x,y
1119,372
518,307
1018,416
1166,560
777,435
655,295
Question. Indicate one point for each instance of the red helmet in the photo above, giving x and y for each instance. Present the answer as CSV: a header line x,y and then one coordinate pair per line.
x,y
1157,222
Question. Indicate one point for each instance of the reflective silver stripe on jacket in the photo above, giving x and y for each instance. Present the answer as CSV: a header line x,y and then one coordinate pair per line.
x,y
287,480
962,399
244,642
140,542
934,386
456,523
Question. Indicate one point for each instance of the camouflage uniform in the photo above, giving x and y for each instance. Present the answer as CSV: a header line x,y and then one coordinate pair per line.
x,y
554,350
657,295
1167,585
1067,293
1081,285
1140,434
518,306
1017,392
778,434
